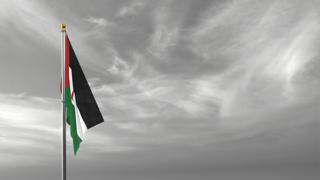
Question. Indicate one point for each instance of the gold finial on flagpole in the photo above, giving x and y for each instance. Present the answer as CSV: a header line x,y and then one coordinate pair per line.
x,y
63,27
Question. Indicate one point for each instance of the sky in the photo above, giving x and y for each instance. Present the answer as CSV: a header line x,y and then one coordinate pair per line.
x,y
192,90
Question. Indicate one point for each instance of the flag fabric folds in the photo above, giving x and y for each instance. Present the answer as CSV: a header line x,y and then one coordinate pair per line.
x,y
82,111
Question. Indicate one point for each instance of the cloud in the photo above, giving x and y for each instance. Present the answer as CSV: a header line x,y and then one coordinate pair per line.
x,y
261,63
165,34
119,66
100,22
130,9
31,17
30,124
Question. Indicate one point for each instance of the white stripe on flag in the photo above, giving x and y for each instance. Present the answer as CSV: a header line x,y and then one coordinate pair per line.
x,y
81,126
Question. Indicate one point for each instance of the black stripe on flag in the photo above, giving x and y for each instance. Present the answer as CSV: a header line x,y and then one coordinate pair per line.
x,y
86,103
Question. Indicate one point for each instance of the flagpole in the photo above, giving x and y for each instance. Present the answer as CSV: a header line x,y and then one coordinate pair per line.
x,y
63,60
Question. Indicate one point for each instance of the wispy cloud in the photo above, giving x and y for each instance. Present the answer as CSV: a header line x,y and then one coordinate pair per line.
x,y
262,64
100,22
130,9
32,18
28,122
165,34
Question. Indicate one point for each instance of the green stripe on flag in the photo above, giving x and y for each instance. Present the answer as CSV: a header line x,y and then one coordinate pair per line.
x,y
71,119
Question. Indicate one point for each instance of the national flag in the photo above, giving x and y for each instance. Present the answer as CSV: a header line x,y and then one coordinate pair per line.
x,y
82,111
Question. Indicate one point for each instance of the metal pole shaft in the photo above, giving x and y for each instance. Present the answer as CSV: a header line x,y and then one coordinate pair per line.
x,y
64,159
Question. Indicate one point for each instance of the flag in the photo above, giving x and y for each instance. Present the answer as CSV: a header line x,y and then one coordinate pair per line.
x,y
82,111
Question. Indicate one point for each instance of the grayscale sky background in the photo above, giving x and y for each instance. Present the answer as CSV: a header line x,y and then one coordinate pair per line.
x,y
189,89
